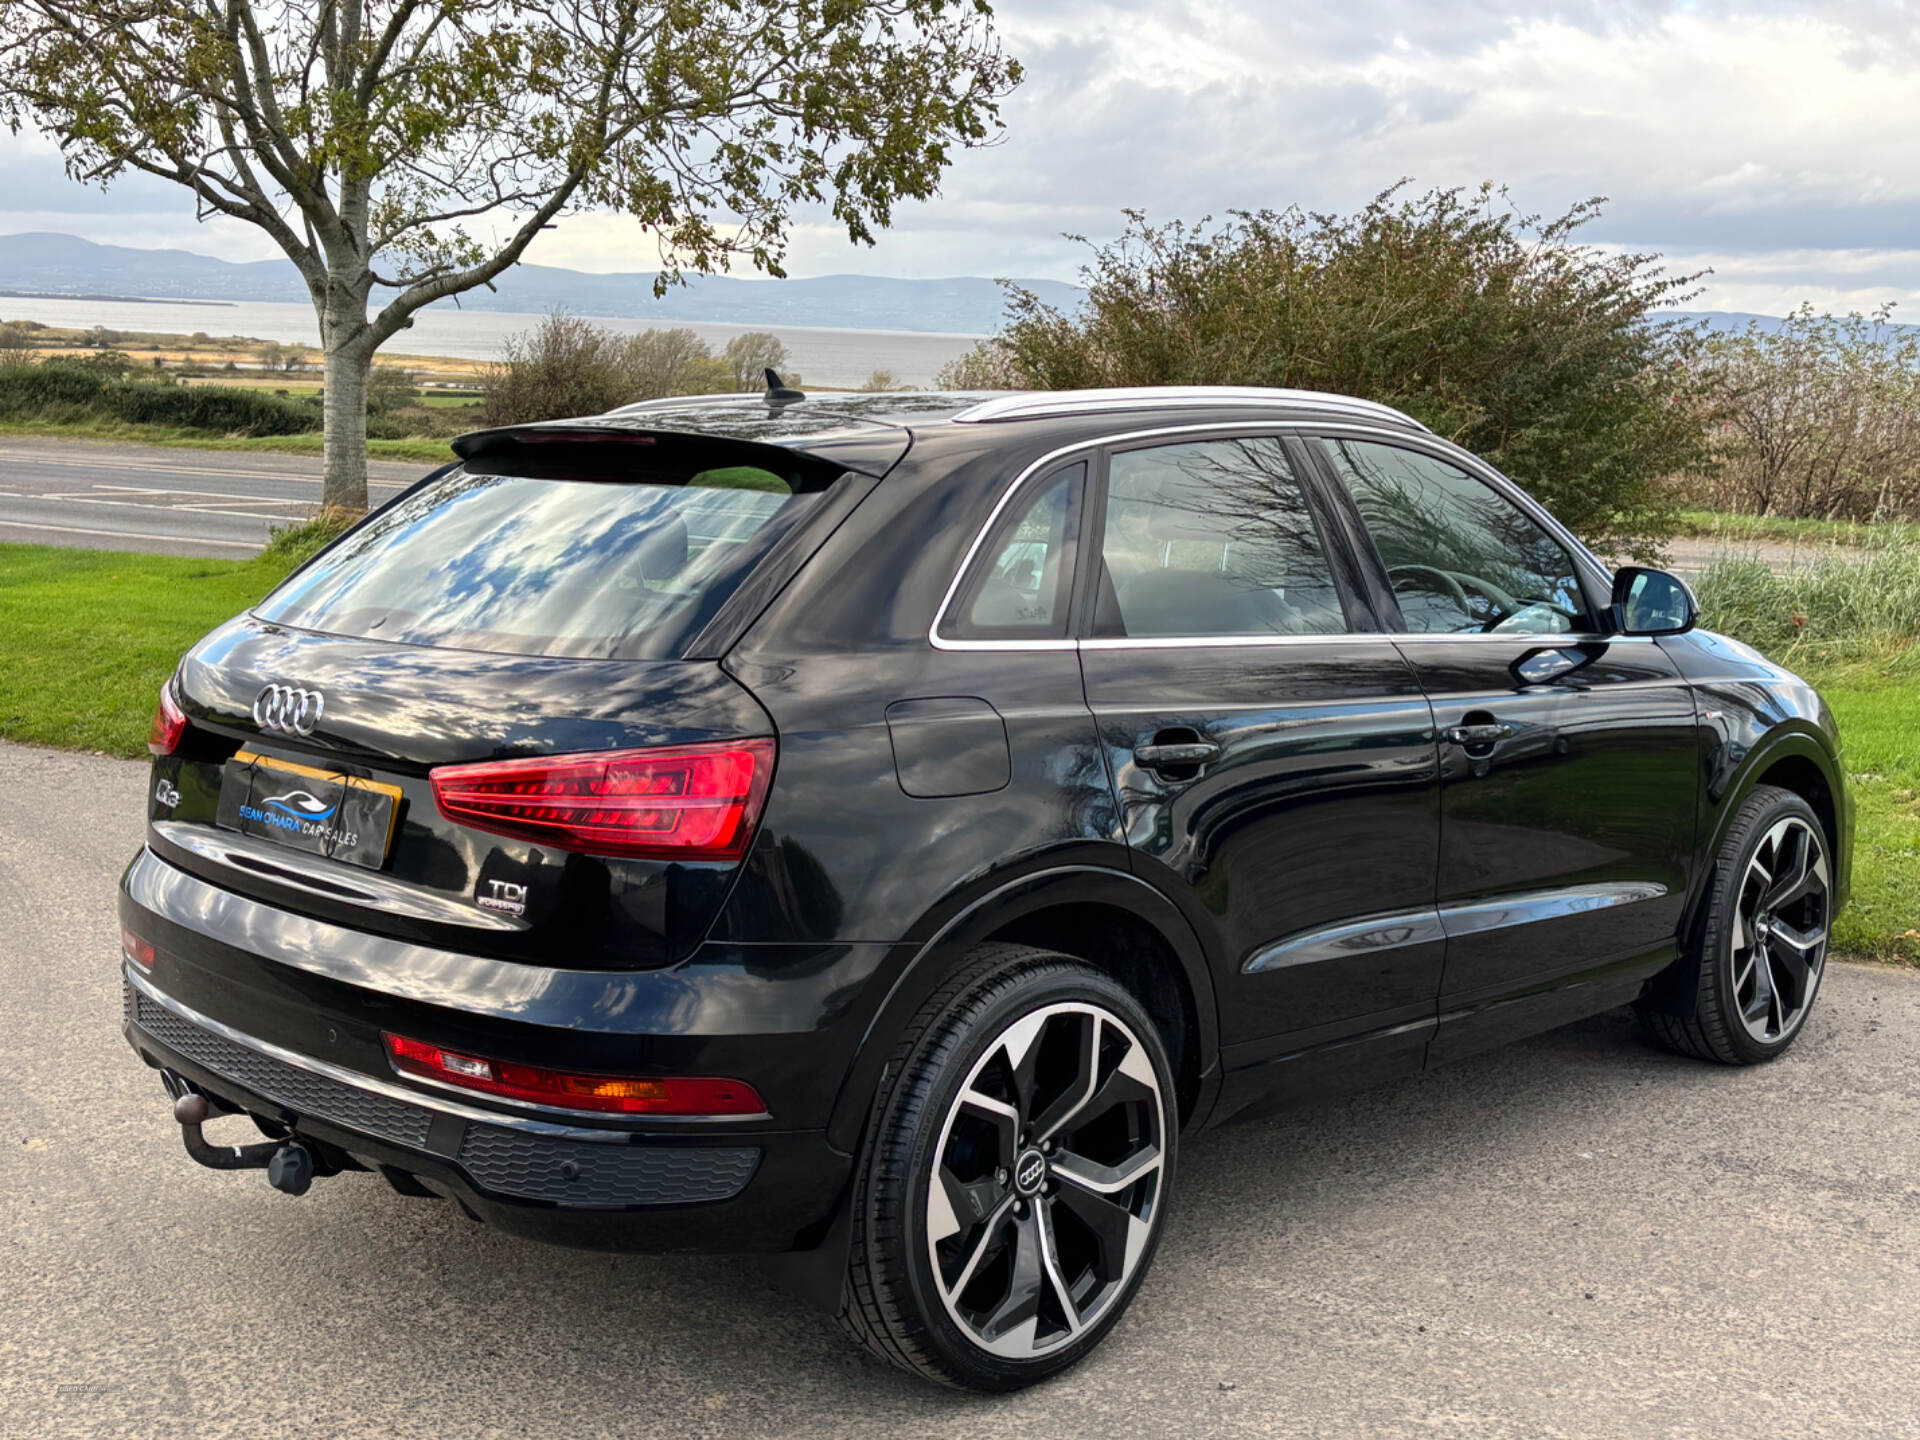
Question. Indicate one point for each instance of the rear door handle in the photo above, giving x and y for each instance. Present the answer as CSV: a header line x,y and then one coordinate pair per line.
x,y
1175,757
1475,736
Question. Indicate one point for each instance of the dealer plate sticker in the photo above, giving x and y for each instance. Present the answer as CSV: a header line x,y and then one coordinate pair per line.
x,y
321,812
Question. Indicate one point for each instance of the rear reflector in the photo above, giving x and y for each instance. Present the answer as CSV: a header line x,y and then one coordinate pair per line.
x,y
135,949
691,802
615,1094
169,723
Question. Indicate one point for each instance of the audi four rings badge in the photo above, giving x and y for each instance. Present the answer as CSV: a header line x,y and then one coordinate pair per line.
x,y
288,709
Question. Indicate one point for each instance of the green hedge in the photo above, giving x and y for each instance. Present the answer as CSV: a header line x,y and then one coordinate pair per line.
x,y
33,390
210,407
27,388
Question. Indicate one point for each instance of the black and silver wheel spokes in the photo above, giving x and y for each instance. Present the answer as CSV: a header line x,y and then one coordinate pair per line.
x,y
1046,1179
1780,927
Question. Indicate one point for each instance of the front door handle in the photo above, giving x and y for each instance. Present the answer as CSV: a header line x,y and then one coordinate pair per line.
x,y
1474,737
1186,756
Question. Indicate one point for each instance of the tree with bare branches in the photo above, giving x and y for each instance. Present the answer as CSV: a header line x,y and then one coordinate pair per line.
x,y
403,151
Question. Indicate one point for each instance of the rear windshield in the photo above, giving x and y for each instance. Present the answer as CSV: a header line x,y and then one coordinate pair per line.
x,y
548,564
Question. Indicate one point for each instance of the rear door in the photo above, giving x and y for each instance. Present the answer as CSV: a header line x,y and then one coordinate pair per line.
x,y
1567,756
1273,754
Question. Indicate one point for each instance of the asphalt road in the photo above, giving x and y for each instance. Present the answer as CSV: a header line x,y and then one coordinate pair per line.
x,y
170,501
1576,1236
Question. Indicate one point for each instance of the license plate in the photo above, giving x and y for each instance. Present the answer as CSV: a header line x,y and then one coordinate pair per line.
x,y
321,812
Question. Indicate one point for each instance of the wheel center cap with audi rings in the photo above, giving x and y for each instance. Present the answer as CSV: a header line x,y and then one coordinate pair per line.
x,y
1029,1171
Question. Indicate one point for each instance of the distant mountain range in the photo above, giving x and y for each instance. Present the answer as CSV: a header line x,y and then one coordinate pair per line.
x,y
1740,319
65,265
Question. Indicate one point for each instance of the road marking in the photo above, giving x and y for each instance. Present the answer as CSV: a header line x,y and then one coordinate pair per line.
x,y
109,462
173,509
210,494
131,535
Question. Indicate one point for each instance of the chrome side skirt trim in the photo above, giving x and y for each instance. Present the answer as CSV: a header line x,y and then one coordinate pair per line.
x,y
1503,914
1423,927
1363,937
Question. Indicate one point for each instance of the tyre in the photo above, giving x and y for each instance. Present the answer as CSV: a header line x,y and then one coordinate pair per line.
x,y
1016,1173
1762,948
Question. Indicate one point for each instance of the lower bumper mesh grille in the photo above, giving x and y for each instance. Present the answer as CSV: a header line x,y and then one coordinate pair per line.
x,y
506,1162
568,1172
301,1091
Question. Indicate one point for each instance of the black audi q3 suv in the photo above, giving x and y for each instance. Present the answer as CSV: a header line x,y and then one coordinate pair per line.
x,y
880,829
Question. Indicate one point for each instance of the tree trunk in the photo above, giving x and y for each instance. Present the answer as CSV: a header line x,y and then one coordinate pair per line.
x,y
346,340
345,485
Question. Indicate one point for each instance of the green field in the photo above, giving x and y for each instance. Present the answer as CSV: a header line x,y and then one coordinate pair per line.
x,y
90,636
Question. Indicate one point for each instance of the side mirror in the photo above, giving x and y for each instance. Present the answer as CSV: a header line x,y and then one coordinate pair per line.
x,y
1652,602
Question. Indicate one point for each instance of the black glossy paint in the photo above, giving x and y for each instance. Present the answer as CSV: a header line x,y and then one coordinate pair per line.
x,y
1588,800
927,798
1326,756
395,711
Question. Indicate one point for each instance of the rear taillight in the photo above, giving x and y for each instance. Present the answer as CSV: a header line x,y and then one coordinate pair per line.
x,y
139,951
169,723
691,802
615,1094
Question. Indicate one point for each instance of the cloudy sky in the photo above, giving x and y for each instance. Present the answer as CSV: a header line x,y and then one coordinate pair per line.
x,y
1773,142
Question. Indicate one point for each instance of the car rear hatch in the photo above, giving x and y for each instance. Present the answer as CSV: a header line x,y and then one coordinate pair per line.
x,y
492,717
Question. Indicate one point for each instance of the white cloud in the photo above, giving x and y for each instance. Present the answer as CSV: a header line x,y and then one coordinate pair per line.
x,y
1771,140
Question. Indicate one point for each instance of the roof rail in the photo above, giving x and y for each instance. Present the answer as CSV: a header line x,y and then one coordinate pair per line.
x,y
1037,404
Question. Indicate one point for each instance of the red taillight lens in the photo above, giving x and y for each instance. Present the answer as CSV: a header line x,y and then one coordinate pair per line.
x,y
695,802
135,949
169,723
615,1094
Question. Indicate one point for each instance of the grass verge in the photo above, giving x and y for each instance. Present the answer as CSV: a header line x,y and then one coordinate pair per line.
x,y
1714,525
431,451
1880,725
92,634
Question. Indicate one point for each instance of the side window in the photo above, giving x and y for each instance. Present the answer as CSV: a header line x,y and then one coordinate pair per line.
x,y
1213,537
1022,578
1461,557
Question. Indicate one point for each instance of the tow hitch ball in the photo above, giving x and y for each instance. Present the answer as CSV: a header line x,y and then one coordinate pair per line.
x,y
288,1163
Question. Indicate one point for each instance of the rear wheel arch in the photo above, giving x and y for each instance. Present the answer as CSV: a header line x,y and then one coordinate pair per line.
x,y
1157,957
1120,943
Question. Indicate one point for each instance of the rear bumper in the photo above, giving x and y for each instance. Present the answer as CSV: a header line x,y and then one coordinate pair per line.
x,y
302,1050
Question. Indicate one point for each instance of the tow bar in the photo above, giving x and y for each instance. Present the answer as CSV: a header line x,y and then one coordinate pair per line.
x,y
288,1163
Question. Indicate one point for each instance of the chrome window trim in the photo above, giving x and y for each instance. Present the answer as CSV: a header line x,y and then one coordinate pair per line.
x,y
1424,439
598,1134
1547,641
1041,404
1223,642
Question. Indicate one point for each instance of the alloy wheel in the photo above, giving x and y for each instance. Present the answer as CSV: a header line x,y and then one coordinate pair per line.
x,y
1780,929
1047,1180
